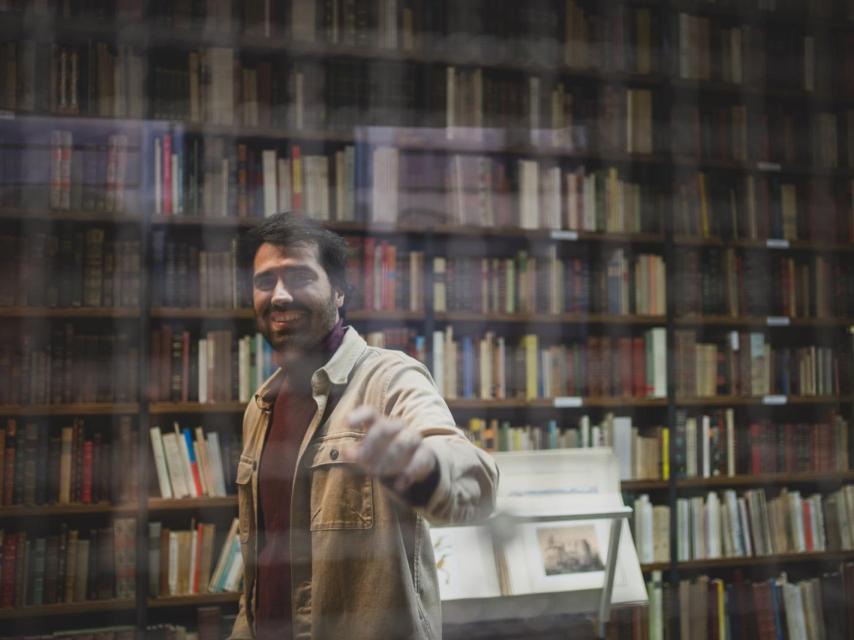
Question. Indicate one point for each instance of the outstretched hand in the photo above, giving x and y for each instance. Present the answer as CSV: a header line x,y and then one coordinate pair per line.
x,y
390,450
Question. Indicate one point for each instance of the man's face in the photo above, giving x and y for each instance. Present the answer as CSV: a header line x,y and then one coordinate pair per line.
x,y
295,303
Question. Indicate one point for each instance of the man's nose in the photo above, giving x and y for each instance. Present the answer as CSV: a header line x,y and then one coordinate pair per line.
x,y
281,295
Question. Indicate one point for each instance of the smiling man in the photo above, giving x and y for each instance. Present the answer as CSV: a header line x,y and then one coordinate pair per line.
x,y
347,451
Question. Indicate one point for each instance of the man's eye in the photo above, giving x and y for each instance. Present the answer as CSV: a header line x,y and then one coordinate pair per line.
x,y
265,282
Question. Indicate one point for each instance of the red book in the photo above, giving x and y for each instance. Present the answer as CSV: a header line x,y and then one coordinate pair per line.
x,y
88,467
806,512
167,174
9,468
625,366
755,448
638,368
10,551
368,273
764,611
296,180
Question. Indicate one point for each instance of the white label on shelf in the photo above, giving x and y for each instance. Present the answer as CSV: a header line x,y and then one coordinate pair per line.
x,y
564,235
774,400
563,402
776,243
779,321
733,340
769,166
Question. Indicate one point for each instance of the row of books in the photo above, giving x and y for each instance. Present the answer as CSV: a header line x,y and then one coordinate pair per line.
x,y
734,133
182,562
400,338
651,529
120,632
216,367
384,276
709,445
72,267
526,283
746,364
188,274
714,609
68,567
189,464
487,366
94,79
736,283
641,455
77,463
65,366
762,207
733,526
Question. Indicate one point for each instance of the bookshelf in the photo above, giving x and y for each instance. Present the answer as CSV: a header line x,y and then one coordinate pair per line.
x,y
600,94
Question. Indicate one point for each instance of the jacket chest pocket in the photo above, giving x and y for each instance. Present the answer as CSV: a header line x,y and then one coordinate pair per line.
x,y
341,495
245,501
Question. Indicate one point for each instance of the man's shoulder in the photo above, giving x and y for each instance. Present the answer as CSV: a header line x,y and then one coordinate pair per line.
x,y
384,359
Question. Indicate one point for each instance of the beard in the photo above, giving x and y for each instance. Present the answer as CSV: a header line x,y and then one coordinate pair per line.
x,y
304,338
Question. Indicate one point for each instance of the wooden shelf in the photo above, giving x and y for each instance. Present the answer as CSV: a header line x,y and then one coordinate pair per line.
x,y
643,485
723,401
772,560
160,408
655,566
70,312
19,213
199,599
53,510
195,313
793,245
762,321
487,405
92,606
181,504
75,409
808,478
543,318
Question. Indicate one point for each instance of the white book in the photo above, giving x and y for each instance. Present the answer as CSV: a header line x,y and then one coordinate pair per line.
x,y
450,101
175,466
698,527
707,447
744,526
589,201
713,526
185,460
222,561
585,431
796,521
160,462
269,168
659,352
173,563
203,371
215,464
794,607
235,570
439,360
623,446
683,527
736,534
194,541
691,447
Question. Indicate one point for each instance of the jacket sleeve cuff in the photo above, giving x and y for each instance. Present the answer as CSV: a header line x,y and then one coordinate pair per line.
x,y
419,494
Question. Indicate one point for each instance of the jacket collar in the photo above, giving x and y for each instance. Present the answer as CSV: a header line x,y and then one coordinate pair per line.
x,y
335,372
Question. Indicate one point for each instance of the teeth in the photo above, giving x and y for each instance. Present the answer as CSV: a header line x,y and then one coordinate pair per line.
x,y
287,316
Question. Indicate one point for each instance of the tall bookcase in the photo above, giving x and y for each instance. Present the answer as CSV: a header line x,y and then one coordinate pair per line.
x,y
636,207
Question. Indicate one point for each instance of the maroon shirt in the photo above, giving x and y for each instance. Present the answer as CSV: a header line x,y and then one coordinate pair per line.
x,y
292,413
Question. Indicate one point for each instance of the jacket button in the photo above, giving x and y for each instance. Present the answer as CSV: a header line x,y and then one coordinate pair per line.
x,y
334,454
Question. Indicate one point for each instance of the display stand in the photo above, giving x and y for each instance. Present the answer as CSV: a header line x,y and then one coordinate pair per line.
x,y
531,604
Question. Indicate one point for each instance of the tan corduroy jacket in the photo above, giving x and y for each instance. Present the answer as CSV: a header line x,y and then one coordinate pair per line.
x,y
362,561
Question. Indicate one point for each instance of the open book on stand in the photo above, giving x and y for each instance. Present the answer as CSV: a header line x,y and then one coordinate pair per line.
x,y
548,564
